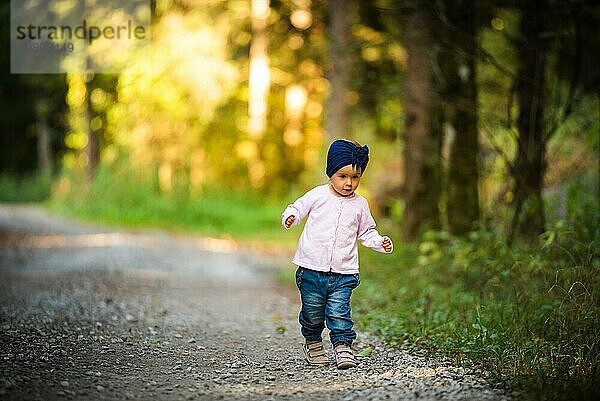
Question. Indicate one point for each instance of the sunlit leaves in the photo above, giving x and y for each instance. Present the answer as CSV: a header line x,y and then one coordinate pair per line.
x,y
161,115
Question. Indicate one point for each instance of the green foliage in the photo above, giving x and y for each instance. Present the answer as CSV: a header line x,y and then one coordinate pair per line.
x,y
188,112
582,205
33,188
530,314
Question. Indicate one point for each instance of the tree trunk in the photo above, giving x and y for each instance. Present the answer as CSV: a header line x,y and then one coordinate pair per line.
x,y
529,167
460,96
422,142
92,149
44,147
336,117
44,143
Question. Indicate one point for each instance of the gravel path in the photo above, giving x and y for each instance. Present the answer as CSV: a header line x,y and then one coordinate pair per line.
x,y
93,313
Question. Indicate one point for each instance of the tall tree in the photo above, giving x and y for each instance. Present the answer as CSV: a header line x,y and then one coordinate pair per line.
x,y
338,32
92,147
457,37
32,112
259,86
422,163
529,167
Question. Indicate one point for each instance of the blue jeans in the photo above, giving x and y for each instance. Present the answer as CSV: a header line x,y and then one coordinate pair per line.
x,y
326,300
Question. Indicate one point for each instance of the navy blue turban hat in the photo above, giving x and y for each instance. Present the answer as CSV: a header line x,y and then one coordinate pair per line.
x,y
343,152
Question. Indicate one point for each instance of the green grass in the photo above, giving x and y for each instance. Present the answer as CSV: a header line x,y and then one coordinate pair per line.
x,y
132,202
530,315
32,188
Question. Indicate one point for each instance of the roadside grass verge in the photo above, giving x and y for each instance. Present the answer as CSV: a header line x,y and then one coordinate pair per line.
x,y
132,202
530,315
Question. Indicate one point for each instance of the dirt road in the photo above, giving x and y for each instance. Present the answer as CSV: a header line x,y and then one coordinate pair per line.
x,y
96,313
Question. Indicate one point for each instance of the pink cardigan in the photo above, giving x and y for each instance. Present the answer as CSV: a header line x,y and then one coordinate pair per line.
x,y
328,241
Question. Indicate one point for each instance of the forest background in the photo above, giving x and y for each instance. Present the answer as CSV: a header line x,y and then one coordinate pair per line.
x,y
483,122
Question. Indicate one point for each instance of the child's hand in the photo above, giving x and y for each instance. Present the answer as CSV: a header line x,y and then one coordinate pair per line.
x,y
387,245
289,221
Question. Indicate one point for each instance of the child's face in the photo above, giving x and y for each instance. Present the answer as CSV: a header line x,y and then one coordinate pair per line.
x,y
345,180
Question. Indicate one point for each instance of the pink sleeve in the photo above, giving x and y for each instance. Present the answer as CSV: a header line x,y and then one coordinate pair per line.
x,y
367,234
300,208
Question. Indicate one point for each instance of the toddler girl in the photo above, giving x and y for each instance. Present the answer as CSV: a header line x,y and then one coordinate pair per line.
x,y
327,252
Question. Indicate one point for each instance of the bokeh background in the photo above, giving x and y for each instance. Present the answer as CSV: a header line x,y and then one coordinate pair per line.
x,y
483,122
477,113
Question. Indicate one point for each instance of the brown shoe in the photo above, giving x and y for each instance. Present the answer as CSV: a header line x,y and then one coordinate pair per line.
x,y
315,354
344,357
